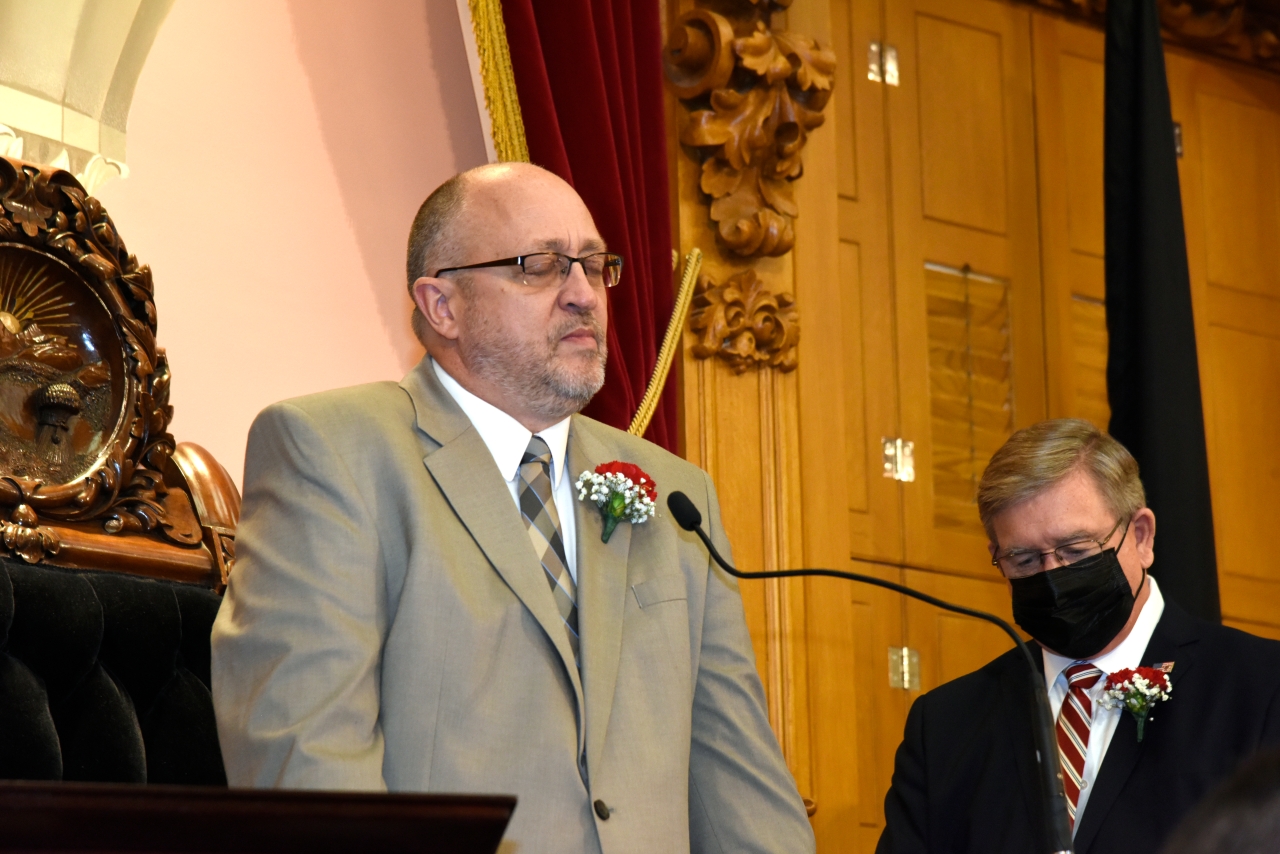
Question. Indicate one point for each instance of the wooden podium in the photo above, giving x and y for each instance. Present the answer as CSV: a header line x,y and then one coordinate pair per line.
x,y
65,817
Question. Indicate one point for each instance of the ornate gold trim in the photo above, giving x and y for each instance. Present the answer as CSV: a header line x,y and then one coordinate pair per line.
x,y
649,403
499,79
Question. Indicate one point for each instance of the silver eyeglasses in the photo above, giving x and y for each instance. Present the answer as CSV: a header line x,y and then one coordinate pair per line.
x,y
541,269
1020,563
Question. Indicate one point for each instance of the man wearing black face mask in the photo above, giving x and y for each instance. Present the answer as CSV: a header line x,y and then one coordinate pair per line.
x,y
1069,528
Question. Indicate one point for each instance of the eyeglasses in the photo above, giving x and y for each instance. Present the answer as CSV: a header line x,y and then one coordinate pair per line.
x,y
541,269
1020,563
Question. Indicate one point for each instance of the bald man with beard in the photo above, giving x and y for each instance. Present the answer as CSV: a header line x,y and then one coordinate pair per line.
x,y
421,603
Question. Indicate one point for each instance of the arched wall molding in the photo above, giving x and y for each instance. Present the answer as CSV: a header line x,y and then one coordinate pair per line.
x,y
68,80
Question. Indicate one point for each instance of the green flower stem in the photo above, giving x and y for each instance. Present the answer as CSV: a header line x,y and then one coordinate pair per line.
x,y
610,522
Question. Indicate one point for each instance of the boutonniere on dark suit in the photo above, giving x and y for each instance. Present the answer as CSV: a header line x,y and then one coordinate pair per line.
x,y
1137,691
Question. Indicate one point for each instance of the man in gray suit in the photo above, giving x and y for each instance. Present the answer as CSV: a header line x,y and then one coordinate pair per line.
x,y
421,603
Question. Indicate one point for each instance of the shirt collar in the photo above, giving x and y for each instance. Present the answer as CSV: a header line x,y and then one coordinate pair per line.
x,y
1128,654
506,438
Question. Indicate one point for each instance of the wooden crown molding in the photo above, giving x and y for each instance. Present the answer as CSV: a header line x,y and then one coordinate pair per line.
x,y
1243,30
752,96
744,323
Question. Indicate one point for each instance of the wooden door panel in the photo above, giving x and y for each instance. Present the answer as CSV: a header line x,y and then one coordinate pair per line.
x,y
970,351
855,398
1082,94
731,434
970,387
1244,369
1069,81
1240,162
857,718
1230,174
1088,337
963,170
853,27
858,311
951,645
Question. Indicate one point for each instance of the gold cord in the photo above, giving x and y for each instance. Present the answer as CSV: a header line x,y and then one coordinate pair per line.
x,y
500,96
649,403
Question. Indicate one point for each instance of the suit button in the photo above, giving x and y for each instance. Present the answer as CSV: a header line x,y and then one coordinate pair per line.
x,y
602,810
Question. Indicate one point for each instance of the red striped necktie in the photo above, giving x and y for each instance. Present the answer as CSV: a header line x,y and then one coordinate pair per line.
x,y
1074,720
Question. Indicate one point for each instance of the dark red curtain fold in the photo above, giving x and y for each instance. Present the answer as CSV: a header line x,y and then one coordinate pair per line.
x,y
589,78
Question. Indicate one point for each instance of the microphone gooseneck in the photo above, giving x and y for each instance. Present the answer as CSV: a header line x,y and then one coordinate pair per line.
x,y
1058,826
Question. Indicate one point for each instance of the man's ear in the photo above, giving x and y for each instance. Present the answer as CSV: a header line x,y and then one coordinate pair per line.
x,y
438,300
1144,535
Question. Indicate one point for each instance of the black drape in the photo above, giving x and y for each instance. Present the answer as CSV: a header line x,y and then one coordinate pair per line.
x,y
1153,380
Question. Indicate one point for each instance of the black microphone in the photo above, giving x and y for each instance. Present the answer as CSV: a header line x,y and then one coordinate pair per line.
x,y
1058,825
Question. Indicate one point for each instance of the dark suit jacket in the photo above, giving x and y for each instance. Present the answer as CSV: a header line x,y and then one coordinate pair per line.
x,y
965,780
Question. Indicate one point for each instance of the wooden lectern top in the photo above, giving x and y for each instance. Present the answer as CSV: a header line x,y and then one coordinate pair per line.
x,y
75,817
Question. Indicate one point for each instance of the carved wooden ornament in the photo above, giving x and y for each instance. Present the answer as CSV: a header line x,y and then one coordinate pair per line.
x,y
753,96
84,390
744,323
1244,30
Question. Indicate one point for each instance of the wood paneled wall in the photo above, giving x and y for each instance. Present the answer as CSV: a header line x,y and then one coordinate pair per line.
x,y
948,278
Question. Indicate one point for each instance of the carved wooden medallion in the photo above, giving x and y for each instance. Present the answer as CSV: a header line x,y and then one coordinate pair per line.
x,y
84,389
753,95
744,323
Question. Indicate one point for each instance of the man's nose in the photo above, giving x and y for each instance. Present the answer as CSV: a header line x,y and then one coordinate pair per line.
x,y
1051,561
577,290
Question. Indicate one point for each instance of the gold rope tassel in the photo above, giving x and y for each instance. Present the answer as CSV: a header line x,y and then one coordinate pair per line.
x,y
500,96
649,403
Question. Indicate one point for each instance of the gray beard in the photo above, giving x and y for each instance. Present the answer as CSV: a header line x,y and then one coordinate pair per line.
x,y
526,372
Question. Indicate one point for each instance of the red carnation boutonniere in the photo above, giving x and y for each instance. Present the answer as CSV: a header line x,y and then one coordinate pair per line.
x,y
1137,691
621,491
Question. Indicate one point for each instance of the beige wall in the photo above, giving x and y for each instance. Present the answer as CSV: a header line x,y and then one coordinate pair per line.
x,y
278,151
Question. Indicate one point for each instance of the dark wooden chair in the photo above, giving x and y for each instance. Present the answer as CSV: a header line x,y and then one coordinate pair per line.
x,y
115,542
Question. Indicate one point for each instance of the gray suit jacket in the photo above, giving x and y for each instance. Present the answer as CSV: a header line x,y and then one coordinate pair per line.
x,y
388,626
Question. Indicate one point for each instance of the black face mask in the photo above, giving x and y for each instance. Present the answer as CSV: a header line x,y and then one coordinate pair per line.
x,y
1075,610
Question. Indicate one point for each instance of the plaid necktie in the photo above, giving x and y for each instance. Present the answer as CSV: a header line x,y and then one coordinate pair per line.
x,y
1074,720
539,512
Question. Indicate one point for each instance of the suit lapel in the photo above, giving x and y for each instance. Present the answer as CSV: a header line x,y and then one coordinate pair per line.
x,y
463,469
602,590
1173,640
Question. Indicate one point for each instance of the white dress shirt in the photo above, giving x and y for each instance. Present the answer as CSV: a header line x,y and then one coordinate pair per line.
x,y
1127,655
507,439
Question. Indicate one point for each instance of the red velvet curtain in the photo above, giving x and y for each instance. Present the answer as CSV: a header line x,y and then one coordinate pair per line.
x,y
589,78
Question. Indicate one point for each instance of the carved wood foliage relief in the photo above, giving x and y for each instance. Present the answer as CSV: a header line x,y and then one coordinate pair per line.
x,y
744,323
753,96
84,389
1244,30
